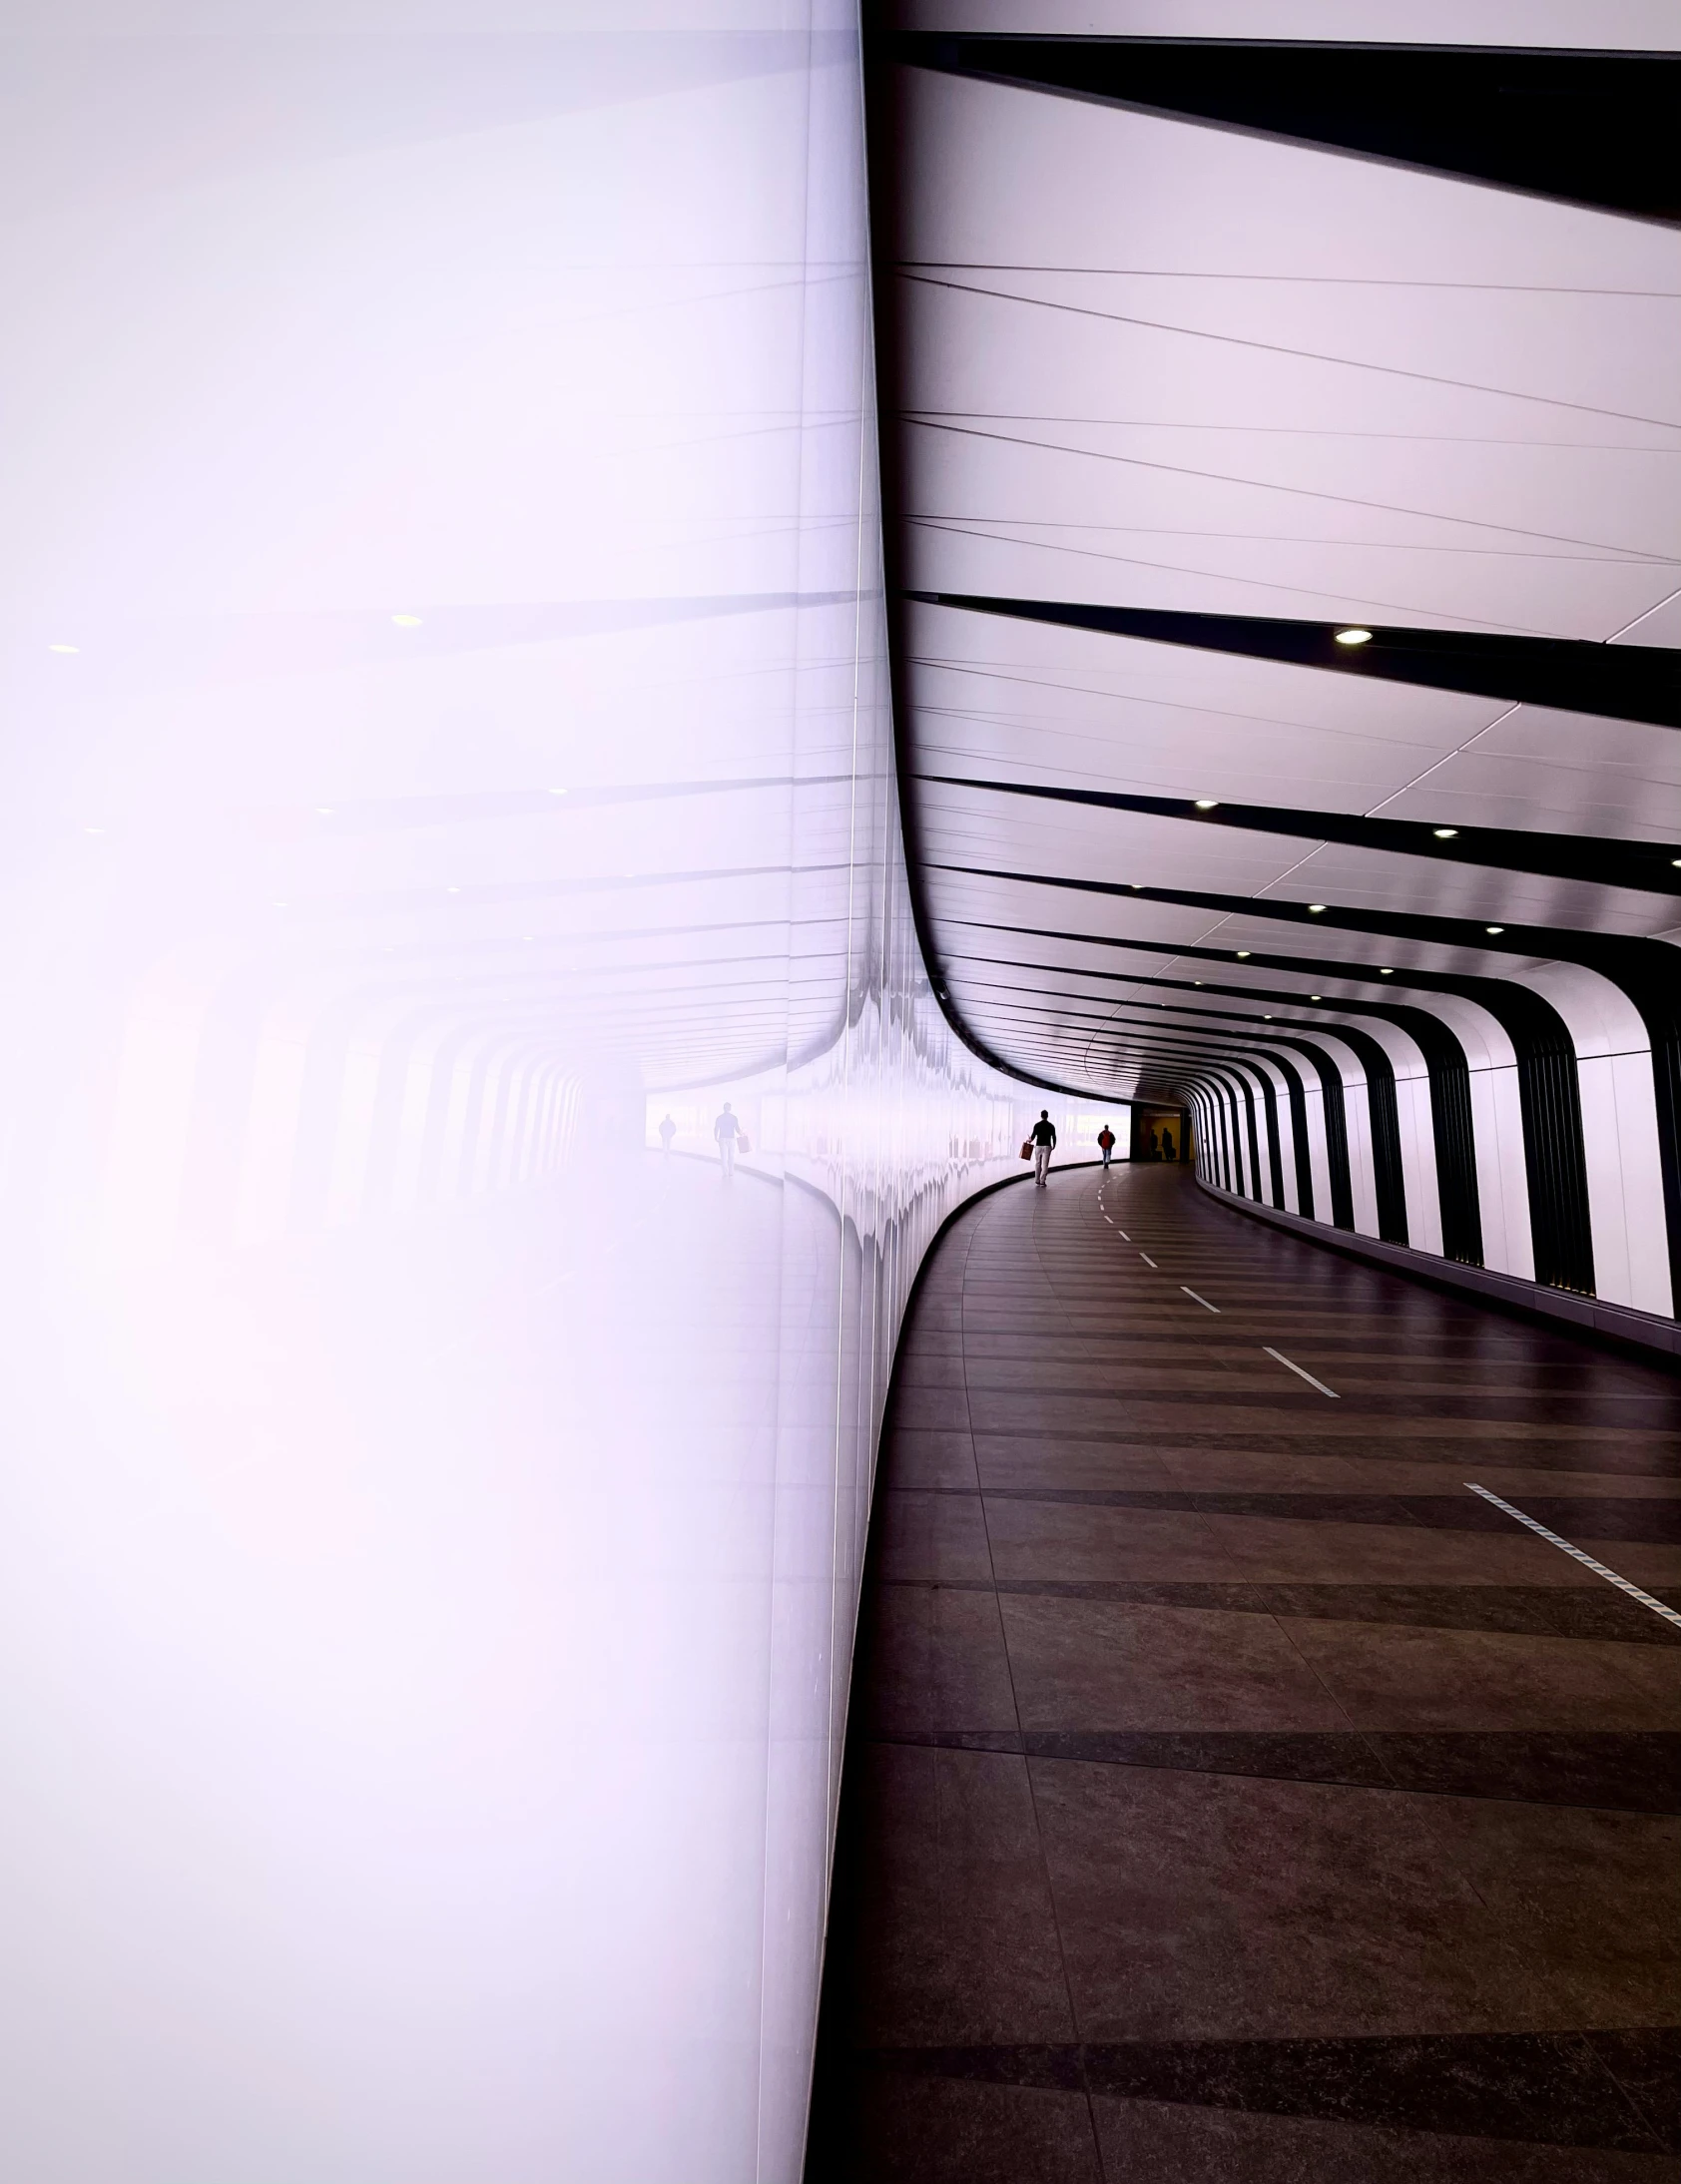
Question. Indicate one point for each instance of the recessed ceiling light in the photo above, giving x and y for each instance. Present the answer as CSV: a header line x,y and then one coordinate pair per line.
x,y
93,830
64,648
1446,833
1207,803
1266,1019
1493,929
325,810
1313,997
1353,637
406,621
1314,909
1385,972
279,906
557,792
1242,953
453,890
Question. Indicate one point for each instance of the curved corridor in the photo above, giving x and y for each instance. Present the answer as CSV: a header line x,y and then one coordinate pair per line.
x,y
1232,1792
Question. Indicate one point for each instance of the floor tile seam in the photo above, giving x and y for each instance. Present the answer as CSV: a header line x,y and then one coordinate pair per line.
x,y
1053,1497
1017,1588
1391,1788
1047,1879
1078,2058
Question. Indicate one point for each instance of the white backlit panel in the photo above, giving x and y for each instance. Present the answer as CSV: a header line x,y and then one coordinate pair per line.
x,y
445,730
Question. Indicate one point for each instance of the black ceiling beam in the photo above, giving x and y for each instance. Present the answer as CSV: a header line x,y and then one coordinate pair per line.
x,y
1418,1024
1618,682
1499,995
1655,866
1593,127
1639,964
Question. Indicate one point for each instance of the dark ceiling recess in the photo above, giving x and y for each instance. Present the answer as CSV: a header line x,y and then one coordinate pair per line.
x,y
1593,127
1655,866
1622,682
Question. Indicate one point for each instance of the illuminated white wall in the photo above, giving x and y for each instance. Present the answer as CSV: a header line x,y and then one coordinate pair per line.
x,y
445,714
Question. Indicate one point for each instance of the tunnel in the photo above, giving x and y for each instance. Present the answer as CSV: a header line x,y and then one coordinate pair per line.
x,y
841,1151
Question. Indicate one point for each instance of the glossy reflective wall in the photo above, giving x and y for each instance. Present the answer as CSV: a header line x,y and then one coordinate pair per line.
x,y
446,733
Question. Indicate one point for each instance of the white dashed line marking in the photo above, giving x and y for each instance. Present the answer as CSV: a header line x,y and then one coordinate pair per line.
x,y
1598,1568
1297,1369
1202,1301
1148,1261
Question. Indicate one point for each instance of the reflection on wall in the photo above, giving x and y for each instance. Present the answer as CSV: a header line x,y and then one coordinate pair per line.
x,y
448,730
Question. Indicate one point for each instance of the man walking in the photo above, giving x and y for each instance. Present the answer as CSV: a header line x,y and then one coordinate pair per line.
x,y
1043,1135
1106,1143
725,1130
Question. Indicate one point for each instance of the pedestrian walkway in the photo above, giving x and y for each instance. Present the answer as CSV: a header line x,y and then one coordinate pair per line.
x,y
1232,1796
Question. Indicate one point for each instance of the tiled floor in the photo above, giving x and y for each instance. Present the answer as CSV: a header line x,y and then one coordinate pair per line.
x,y
1232,1795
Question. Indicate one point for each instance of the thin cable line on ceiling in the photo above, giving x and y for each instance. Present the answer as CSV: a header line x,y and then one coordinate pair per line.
x,y
1288,431
1606,558
1309,281
1408,608
1300,355
1294,493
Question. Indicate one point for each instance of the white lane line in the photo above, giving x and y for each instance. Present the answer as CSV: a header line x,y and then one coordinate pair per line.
x,y
1295,1368
1598,1568
1125,1239
1148,1261
1202,1301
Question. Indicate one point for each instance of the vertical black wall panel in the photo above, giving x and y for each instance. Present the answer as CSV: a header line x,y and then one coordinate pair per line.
x,y
1274,1149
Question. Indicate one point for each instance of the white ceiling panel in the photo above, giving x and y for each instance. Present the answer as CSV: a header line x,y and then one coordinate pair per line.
x,y
1153,365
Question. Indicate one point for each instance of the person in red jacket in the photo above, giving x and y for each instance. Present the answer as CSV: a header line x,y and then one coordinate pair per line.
x,y
1106,1143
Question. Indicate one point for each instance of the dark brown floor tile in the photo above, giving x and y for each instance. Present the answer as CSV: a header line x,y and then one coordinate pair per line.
x,y
921,2130
1595,1895
1213,1906
1334,1756
1548,2089
1059,1462
1058,1540
1594,1610
1646,2064
930,1457
1622,1772
936,1659
946,1409
1398,1676
925,1368
963,1945
932,1535
1182,2145
1277,1550
1087,1664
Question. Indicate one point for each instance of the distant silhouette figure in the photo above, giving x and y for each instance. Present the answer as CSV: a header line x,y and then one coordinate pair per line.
x,y
727,1129
1168,1152
1106,1143
1150,1149
1043,1139
668,1130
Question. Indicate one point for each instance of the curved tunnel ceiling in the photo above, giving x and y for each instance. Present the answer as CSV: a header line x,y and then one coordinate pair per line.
x,y
1283,445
